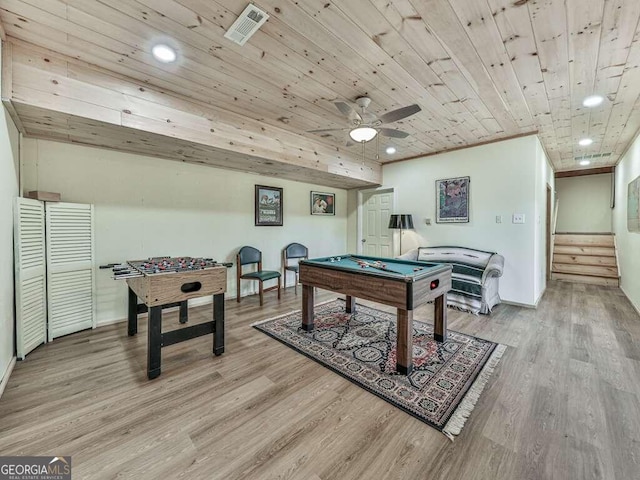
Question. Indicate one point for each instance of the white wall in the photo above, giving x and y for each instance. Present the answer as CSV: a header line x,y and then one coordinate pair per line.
x,y
146,207
352,221
544,178
503,182
584,204
9,149
628,244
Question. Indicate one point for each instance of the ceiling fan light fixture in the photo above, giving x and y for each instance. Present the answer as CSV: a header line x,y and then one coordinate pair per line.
x,y
363,134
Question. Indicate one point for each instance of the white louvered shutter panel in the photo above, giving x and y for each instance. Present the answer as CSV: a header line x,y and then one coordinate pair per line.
x,y
31,293
70,268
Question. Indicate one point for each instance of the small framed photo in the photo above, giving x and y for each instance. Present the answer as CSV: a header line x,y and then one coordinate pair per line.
x,y
452,200
268,206
323,203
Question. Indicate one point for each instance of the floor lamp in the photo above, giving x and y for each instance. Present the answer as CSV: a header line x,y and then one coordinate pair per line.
x,y
401,222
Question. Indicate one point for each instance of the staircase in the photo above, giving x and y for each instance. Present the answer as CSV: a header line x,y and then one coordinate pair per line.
x,y
585,258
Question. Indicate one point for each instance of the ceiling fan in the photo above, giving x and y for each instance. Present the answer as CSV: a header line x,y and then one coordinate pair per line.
x,y
365,126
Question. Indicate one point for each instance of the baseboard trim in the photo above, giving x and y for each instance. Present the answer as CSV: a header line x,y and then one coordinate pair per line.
x,y
7,374
540,297
635,307
524,305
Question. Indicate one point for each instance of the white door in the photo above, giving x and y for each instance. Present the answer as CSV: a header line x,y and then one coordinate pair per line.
x,y
377,240
70,268
31,293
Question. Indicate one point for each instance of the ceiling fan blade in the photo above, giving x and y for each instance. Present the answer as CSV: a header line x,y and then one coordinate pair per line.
x,y
348,111
323,130
400,113
390,132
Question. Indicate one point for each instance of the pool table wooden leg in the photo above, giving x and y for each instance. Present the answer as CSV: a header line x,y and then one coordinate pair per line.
x,y
307,307
351,304
404,349
440,318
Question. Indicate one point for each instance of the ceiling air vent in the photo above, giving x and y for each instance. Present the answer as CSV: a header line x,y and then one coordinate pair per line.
x,y
250,20
590,157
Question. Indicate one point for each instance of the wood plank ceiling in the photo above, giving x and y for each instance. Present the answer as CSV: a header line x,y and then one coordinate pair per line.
x,y
481,70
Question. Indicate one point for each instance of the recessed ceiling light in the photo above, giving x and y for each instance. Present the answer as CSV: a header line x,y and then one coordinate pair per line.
x,y
391,150
592,101
164,53
584,162
585,142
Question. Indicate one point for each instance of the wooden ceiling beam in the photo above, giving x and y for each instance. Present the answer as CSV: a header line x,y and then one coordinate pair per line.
x,y
586,171
39,83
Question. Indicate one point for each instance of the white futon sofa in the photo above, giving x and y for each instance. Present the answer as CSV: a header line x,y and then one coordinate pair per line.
x,y
474,280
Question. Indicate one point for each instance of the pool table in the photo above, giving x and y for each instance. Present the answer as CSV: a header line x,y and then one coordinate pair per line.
x,y
399,283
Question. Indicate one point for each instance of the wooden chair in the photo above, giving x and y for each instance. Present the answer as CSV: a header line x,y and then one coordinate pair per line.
x,y
249,256
295,251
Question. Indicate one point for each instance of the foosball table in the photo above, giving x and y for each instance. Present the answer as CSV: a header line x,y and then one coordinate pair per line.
x,y
164,282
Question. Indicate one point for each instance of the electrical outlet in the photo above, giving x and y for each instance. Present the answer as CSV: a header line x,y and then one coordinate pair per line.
x,y
518,218
427,221
498,218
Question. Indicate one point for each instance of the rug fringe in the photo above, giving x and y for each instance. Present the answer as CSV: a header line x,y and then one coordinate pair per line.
x,y
289,313
468,403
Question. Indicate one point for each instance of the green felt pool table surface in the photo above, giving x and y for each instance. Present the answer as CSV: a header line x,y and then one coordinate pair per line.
x,y
392,267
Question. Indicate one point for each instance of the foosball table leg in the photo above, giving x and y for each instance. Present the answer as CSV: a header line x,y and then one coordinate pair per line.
x,y
132,320
184,309
154,342
218,324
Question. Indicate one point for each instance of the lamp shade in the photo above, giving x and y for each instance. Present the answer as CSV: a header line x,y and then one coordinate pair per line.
x,y
363,134
402,221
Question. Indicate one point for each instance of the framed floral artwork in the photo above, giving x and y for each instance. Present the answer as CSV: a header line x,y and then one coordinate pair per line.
x,y
452,200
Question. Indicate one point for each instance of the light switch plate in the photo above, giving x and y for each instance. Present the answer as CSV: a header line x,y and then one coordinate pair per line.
x,y
427,221
498,218
518,218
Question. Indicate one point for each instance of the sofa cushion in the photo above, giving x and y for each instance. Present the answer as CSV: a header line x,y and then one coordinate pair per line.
x,y
465,287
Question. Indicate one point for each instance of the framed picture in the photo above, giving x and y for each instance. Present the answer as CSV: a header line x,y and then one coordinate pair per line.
x,y
323,203
268,206
452,200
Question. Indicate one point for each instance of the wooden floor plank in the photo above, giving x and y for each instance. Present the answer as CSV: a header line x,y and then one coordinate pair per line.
x,y
563,403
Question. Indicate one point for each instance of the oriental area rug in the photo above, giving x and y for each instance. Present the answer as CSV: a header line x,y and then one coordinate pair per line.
x,y
447,378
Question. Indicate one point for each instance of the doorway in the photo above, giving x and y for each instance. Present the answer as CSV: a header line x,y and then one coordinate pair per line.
x,y
375,238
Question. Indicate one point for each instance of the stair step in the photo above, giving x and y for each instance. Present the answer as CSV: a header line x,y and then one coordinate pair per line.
x,y
590,270
567,277
584,260
588,240
576,250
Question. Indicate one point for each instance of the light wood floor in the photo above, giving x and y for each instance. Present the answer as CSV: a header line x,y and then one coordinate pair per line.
x,y
564,402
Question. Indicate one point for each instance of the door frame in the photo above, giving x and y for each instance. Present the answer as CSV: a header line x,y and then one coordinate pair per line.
x,y
361,194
